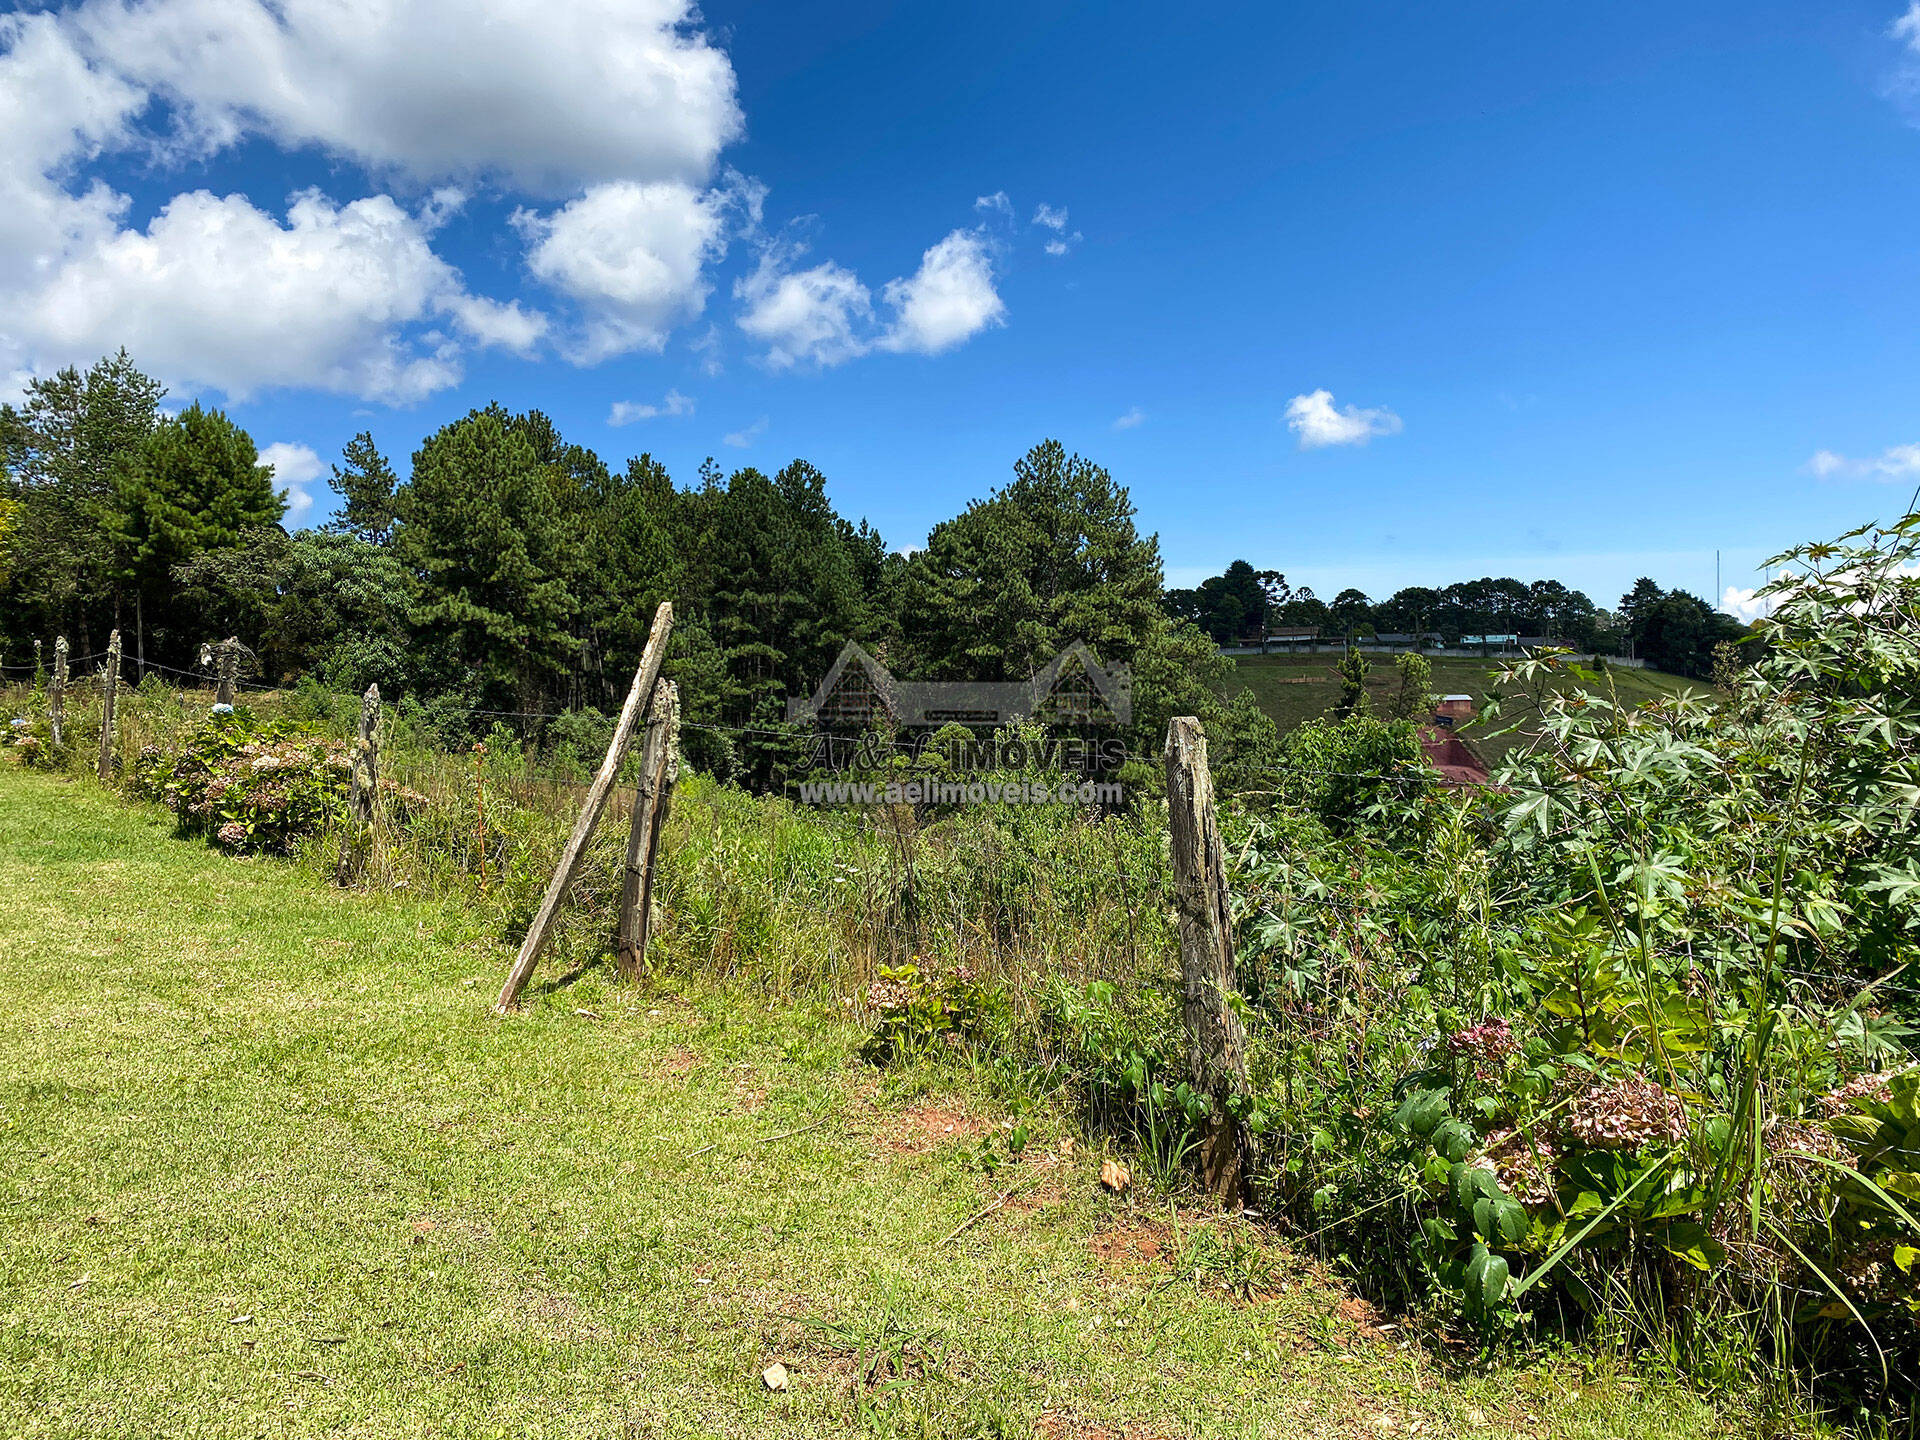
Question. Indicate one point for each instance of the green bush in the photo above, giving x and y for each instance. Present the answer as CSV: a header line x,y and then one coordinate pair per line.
x,y
248,785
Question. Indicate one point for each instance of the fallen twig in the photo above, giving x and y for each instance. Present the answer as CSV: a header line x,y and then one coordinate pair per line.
x,y
975,1219
789,1134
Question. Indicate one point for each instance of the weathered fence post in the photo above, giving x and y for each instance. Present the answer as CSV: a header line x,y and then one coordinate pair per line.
x,y
659,768
109,694
57,697
229,652
364,783
569,867
1217,1054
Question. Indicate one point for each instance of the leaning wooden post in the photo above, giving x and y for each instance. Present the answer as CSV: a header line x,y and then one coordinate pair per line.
x,y
659,768
569,867
364,784
57,697
1217,1055
109,693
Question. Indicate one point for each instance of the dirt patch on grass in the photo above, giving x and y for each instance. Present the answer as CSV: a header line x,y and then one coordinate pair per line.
x,y
1133,1243
927,1127
677,1062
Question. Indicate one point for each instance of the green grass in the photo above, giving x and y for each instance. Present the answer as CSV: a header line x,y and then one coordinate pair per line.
x,y
1297,688
271,1168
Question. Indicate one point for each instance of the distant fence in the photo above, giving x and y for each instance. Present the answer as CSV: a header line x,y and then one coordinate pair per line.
x,y
1337,647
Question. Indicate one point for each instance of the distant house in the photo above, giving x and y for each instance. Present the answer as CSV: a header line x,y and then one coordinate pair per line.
x,y
1430,640
1074,689
1296,635
1451,711
1489,642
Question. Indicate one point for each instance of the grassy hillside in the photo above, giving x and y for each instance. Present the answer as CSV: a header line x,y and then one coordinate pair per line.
x,y
271,1167
1296,688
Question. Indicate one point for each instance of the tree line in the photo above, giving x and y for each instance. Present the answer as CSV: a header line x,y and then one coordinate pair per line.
x,y
1670,629
510,571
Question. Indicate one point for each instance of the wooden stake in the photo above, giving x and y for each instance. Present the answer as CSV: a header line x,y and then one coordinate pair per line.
x,y
57,697
1217,1055
365,785
569,867
110,689
229,652
659,768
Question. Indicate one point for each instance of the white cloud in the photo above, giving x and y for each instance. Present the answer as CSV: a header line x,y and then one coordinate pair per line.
x,y
216,293
815,316
549,97
626,412
55,112
995,204
950,298
741,439
824,315
633,255
1132,420
295,467
1055,219
1747,605
1899,462
1315,420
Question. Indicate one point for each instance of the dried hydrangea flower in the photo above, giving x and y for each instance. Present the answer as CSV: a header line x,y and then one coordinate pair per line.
x,y
1625,1114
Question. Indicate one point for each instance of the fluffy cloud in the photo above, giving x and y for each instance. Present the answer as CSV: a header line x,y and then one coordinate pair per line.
x,y
1901,462
56,110
626,412
816,316
295,468
625,102
950,298
1315,420
216,293
1132,420
633,255
824,315
549,97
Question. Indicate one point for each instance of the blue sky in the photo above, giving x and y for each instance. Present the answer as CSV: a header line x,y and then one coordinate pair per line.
x,y
1373,295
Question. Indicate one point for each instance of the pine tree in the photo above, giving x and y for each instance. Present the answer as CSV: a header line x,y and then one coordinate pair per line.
x,y
196,485
480,530
365,485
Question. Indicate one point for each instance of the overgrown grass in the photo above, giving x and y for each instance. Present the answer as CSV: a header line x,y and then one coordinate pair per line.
x,y
272,1168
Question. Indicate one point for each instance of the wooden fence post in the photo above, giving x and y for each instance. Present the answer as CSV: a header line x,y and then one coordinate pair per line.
x,y
229,652
1217,1054
568,869
57,697
109,694
659,768
365,785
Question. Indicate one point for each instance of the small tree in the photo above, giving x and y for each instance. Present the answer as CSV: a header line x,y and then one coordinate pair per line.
x,y
1353,685
1416,687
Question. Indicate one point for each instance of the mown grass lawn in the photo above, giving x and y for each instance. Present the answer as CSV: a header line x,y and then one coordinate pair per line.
x,y
270,1167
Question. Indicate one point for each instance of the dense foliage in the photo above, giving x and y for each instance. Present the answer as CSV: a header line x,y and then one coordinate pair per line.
x,y
1628,1038
509,571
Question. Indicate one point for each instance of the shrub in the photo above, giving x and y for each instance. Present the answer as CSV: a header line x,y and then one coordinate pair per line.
x,y
249,786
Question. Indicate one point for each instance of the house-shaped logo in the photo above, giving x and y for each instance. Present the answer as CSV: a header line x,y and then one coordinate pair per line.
x,y
1074,691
